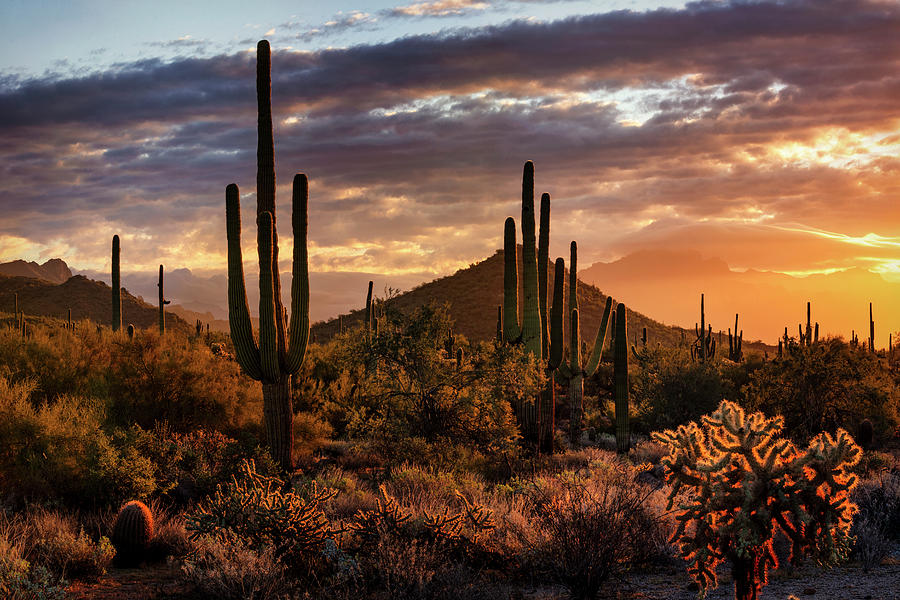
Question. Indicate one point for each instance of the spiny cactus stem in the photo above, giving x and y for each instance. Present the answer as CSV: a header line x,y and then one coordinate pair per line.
x,y
116,286
246,352
543,282
511,329
620,376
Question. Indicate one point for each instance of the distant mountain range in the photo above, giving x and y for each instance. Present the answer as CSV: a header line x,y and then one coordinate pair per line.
x,y
668,284
54,270
87,299
665,284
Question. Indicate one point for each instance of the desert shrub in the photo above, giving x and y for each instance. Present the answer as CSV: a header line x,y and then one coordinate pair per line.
x,y
57,361
59,450
877,525
410,552
188,466
412,484
825,386
670,389
180,381
585,530
396,392
745,480
224,567
58,543
171,536
20,579
257,509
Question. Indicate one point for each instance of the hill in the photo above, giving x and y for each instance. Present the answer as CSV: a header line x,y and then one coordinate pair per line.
x,y
88,299
54,270
474,293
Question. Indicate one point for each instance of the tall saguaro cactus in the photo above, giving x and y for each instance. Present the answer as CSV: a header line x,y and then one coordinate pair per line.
x,y
572,369
162,303
116,286
704,346
735,341
871,330
530,331
620,377
280,351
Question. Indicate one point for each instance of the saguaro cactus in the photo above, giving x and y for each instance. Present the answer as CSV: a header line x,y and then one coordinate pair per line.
x,y
162,303
620,376
871,330
116,286
734,342
279,353
572,369
704,346
370,313
530,331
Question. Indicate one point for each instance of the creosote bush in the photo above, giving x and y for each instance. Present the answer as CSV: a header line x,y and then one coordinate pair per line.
x,y
584,531
744,481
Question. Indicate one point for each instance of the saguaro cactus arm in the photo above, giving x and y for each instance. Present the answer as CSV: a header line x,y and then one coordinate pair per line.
x,y
511,330
116,286
597,353
543,259
246,352
556,322
299,327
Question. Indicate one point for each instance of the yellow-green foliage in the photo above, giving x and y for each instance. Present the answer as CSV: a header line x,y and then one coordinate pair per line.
x,y
175,378
59,450
743,480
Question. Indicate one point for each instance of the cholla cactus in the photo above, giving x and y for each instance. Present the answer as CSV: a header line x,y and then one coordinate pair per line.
x,y
746,480
255,508
386,517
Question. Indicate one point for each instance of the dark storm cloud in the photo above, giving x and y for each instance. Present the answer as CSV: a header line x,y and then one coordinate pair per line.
x,y
415,147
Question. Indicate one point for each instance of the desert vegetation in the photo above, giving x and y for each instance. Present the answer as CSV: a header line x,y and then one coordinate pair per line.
x,y
401,460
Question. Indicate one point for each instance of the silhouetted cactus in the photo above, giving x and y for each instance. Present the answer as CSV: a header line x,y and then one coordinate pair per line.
x,y
280,352
620,377
449,343
130,331
871,330
162,303
704,347
116,286
370,312
735,353
530,331
132,533
572,370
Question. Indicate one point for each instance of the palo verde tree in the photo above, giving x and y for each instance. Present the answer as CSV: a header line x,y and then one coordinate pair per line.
x,y
746,481
281,349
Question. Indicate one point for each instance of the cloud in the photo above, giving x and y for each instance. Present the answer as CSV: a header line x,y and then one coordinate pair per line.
x,y
713,125
438,8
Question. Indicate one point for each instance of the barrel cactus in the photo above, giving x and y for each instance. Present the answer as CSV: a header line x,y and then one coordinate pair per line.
x,y
132,533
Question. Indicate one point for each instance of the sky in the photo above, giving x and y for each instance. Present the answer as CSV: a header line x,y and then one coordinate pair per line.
x,y
765,134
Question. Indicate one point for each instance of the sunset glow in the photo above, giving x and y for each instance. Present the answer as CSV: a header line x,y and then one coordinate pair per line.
x,y
762,134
